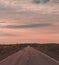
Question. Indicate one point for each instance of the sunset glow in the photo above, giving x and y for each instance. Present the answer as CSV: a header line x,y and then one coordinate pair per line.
x,y
29,21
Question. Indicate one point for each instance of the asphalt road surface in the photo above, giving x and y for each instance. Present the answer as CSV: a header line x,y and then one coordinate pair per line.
x,y
29,56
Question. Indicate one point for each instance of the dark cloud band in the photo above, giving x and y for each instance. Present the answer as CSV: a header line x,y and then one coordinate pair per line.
x,y
40,1
28,26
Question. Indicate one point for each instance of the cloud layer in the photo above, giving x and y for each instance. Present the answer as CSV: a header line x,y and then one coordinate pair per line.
x,y
40,1
18,6
29,21
26,26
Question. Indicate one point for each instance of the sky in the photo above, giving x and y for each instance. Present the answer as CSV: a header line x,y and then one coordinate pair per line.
x,y
23,21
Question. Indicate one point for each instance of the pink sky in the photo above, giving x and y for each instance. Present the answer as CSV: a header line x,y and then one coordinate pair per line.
x,y
26,21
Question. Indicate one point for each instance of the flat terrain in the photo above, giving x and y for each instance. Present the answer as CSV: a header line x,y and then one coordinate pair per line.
x,y
29,56
49,49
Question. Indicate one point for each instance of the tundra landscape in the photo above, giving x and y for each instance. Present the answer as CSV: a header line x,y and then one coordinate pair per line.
x,y
51,50
29,29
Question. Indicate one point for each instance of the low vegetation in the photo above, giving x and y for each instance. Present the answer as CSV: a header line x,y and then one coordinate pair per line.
x,y
50,49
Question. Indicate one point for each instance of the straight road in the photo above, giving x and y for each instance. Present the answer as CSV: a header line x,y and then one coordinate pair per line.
x,y
29,56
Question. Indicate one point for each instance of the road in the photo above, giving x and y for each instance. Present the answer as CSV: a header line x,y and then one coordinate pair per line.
x,y
29,56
